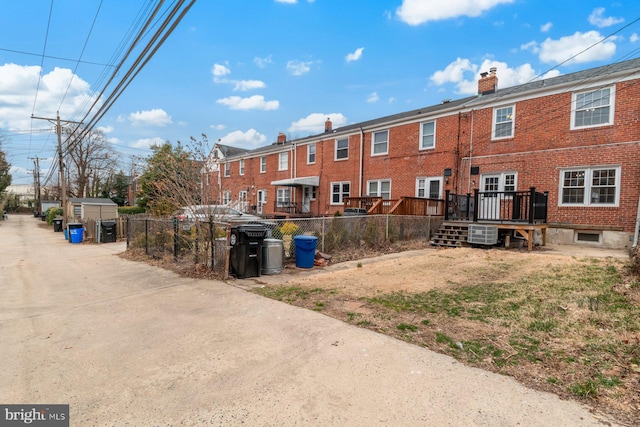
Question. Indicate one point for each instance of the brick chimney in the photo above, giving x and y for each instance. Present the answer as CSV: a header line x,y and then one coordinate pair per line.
x,y
282,138
488,82
328,126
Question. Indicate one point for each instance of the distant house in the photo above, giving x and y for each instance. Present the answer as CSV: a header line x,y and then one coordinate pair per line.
x,y
91,208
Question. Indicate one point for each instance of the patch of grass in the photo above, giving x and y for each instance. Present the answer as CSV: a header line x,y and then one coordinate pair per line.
x,y
425,322
552,380
407,327
588,389
542,325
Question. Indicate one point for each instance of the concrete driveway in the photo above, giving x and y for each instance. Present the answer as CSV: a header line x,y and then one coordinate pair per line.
x,y
124,343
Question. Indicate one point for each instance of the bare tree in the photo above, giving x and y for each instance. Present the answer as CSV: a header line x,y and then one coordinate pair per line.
x,y
90,160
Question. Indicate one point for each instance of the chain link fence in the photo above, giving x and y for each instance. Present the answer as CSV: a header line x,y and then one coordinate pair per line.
x,y
206,242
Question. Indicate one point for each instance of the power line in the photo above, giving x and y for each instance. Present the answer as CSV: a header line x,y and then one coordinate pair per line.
x,y
55,57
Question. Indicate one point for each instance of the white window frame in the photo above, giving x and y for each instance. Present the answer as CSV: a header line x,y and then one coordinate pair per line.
x,y
283,161
424,146
378,192
242,200
588,185
263,164
508,119
502,178
374,144
421,185
576,107
227,169
241,167
311,153
226,197
339,149
283,197
340,193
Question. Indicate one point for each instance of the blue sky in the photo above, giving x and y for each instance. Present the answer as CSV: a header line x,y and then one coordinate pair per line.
x,y
241,71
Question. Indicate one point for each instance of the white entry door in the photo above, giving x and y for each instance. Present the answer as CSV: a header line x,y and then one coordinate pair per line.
x,y
489,207
262,200
307,194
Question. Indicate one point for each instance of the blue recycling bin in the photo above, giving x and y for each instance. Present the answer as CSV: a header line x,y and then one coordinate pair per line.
x,y
305,250
76,232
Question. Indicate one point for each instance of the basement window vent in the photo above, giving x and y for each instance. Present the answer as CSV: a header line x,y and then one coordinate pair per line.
x,y
587,237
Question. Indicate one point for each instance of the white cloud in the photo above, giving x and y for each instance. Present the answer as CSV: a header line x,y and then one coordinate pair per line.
x,y
355,55
18,91
262,62
416,12
217,127
147,142
287,1
373,98
533,45
155,117
454,72
219,70
634,38
585,44
245,85
464,74
299,68
598,19
249,139
546,27
105,129
314,122
255,102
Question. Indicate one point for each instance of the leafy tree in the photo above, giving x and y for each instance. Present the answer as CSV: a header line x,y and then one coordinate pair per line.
x,y
172,177
5,177
116,188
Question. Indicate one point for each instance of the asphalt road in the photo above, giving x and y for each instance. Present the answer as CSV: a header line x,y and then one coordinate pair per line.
x,y
124,343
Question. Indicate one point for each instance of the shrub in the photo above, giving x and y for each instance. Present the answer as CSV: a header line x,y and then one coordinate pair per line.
x,y
52,213
131,210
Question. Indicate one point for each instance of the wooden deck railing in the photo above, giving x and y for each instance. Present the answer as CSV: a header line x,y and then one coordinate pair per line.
x,y
499,206
418,206
360,202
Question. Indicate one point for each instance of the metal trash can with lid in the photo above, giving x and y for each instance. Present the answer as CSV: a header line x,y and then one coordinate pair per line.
x,y
246,250
57,224
272,256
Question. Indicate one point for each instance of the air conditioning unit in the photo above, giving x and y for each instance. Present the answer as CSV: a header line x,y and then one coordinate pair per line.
x,y
481,234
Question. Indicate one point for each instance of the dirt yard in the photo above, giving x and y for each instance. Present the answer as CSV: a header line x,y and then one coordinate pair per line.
x,y
563,319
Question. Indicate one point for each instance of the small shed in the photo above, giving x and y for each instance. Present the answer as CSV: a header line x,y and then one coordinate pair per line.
x,y
46,204
91,208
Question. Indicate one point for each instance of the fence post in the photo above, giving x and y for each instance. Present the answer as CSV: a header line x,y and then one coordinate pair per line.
x,y
323,231
532,199
146,236
213,242
446,205
386,233
127,233
476,192
175,239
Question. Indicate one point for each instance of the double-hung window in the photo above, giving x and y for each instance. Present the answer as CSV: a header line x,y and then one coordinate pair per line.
x,y
379,188
227,169
283,197
593,108
342,149
263,164
428,188
311,153
283,161
427,135
241,167
599,186
339,190
380,143
503,122
226,197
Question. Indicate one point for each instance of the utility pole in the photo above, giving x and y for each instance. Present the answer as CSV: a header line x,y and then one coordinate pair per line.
x,y
36,183
60,161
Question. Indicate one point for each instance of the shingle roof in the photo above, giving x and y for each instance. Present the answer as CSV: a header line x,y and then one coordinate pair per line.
x,y
102,201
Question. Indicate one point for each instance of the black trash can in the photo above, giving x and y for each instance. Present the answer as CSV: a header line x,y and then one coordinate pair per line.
x,y
246,250
57,224
36,214
108,232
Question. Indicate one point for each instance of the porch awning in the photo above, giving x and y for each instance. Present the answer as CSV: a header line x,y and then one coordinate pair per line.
x,y
313,181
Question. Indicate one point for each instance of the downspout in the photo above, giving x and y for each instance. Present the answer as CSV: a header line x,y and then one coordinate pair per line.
x,y
470,151
637,231
361,172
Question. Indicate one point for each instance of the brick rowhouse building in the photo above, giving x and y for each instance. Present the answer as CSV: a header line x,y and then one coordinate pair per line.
x,y
576,136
